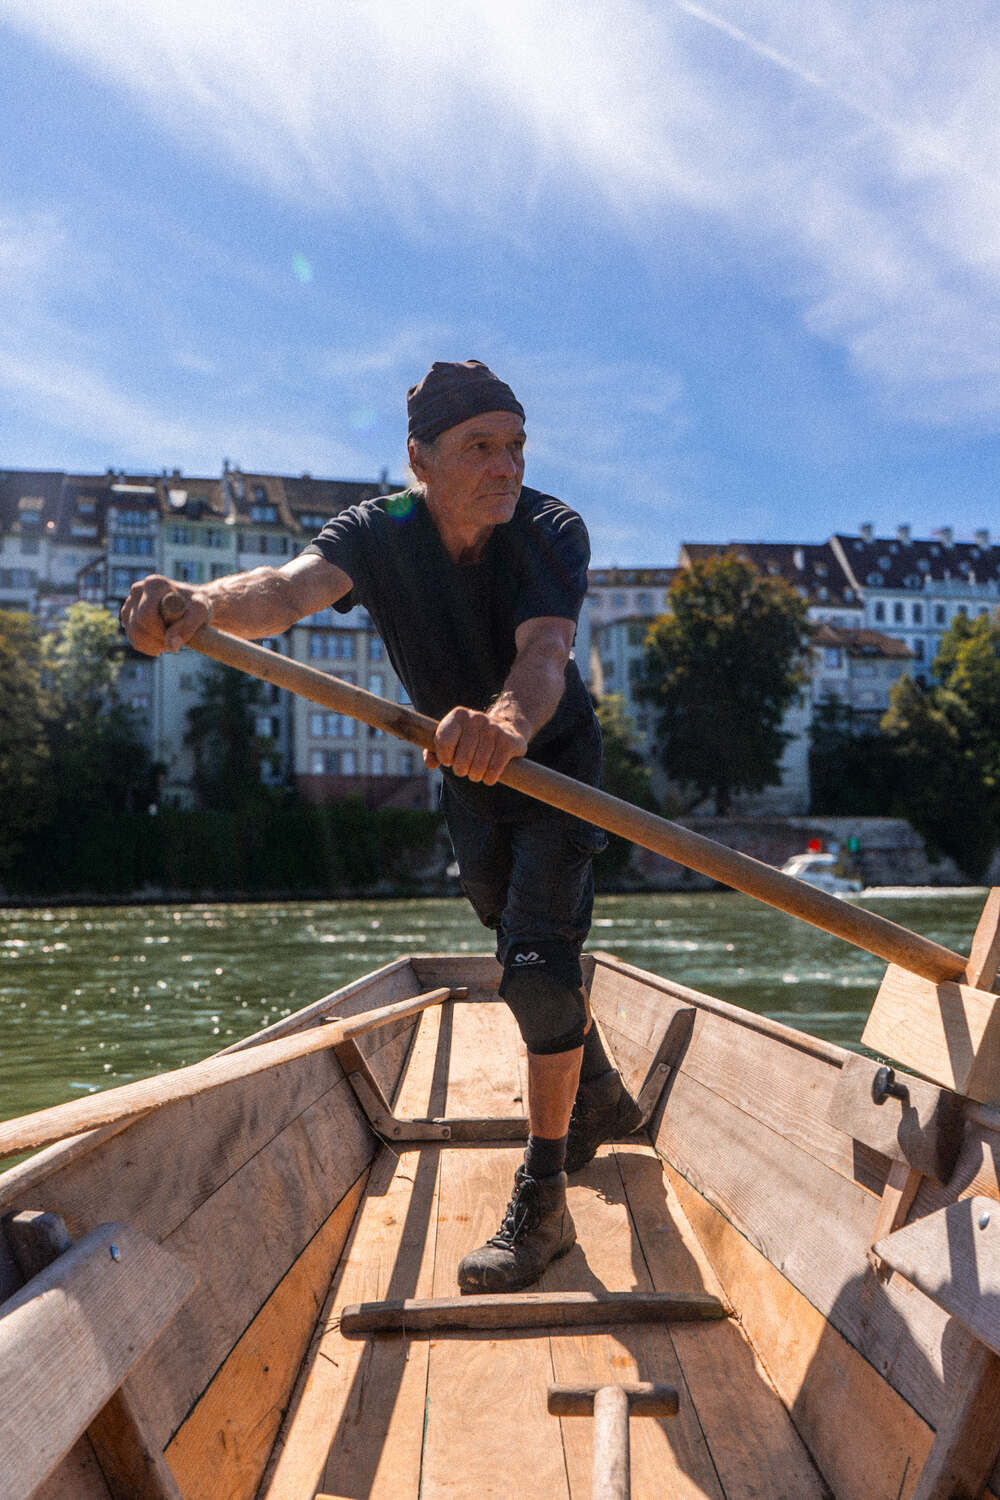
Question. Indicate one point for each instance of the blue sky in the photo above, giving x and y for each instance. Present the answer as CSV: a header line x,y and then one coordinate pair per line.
x,y
740,263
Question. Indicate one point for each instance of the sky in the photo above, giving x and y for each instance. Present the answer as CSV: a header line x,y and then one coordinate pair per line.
x,y
740,263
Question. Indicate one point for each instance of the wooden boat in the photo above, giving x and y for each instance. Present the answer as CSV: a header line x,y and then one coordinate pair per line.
x,y
238,1280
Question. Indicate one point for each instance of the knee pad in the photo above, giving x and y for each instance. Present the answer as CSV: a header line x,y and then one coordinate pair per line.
x,y
551,1015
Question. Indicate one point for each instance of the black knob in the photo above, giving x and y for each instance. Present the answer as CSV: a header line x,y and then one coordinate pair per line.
x,y
884,1086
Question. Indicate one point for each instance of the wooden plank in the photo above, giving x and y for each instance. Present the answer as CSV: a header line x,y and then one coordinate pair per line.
x,y
966,1442
984,955
949,1032
645,1398
243,1240
62,1160
954,1258
497,1311
667,1457
506,1443
867,1440
341,1412
45,1125
134,1467
69,1338
483,1077
79,1475
157,1171
36,1238
924,1129
221,1450
815,1226
754,1447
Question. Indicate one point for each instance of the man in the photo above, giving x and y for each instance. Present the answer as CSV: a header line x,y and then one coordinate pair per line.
x,y
475,586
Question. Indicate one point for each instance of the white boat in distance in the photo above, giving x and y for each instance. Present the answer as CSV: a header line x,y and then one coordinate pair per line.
x,y
820,870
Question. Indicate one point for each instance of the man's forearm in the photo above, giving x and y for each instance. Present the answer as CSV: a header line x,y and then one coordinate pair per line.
x,y
252,605
531,693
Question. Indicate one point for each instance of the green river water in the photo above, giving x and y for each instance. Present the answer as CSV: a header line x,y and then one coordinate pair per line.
x,y
96,996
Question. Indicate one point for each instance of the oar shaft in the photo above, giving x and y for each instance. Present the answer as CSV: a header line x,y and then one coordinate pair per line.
x,y
864,929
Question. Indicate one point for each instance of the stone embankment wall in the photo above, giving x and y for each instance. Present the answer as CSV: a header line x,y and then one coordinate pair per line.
x,y
889,852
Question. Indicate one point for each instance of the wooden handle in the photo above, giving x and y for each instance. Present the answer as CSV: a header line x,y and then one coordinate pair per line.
x,y
864,929
133,1099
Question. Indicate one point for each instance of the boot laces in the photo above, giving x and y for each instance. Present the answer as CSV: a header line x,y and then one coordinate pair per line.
x,y
523,1214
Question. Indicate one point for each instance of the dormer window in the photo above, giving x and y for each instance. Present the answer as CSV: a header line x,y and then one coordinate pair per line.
x,y
263,512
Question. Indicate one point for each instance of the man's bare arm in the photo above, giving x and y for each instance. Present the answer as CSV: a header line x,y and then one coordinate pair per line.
x,y
481,745
265,601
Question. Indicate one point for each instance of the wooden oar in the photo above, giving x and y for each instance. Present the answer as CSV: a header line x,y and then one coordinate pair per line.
x,y
863,928
133,1099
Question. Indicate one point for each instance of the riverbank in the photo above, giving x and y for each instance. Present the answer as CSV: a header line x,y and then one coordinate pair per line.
x,y
346,853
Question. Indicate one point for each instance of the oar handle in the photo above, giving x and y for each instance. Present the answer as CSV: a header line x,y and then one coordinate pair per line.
x,y
854,924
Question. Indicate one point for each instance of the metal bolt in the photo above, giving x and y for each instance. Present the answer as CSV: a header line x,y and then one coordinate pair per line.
x,y
114,1252
984,1219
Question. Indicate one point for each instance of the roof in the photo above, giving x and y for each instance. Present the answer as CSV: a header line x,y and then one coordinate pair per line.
x,y
812,568
861,642
902,562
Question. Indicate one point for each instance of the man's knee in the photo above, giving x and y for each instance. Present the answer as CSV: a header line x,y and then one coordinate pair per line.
x,y
546,998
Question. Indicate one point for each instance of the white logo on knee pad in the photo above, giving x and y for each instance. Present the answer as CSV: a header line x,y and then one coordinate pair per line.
x,y
528,958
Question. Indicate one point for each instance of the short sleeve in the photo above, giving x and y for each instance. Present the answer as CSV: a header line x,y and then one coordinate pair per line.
x,y
342,543
553,574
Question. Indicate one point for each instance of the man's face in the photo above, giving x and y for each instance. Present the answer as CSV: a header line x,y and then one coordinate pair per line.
x,y
473,476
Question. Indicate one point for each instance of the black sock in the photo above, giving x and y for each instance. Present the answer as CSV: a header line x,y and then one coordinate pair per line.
x,y
544,1155
595,1059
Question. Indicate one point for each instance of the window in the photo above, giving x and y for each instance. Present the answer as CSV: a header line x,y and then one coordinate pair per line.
x,y
376,762
618,600
918,614
918,649
376,684
376,650
188,571
402,696
644,603
407,763
348,763
636,634
30,545
324,725
940,614
263,512
897,613
331,645
181,535
214,537
832,657
134,546
265,727
219,570
879,611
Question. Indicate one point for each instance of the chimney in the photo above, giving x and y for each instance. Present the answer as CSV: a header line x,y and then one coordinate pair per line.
x,y
867,531
982,536
947,535
903,534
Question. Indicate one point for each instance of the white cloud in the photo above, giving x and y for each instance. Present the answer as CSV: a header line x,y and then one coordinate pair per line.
x,y
851,148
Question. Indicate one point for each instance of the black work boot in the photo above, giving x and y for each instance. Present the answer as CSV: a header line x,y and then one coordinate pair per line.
x,y
603,1110
536,1229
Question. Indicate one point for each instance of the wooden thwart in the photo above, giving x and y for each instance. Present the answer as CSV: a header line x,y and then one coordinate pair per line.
x,y
68,1340
526,1310
133,1099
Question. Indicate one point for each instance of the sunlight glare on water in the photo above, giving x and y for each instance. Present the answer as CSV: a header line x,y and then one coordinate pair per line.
x,y
94,997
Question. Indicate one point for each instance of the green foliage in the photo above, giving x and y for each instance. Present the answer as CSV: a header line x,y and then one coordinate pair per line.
x,y
853,768
228,754
343,849
946,738
98,759
625,775
721,669
24,753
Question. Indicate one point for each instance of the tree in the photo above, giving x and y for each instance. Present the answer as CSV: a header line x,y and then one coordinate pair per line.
x,y
98,759
24,754
626,775
721,669
853,767
228,753
946,738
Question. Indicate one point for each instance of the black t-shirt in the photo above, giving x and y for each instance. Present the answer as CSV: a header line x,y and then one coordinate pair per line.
x,y
449,627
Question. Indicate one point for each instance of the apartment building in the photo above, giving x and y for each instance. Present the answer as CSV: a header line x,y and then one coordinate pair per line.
x,y
65,537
